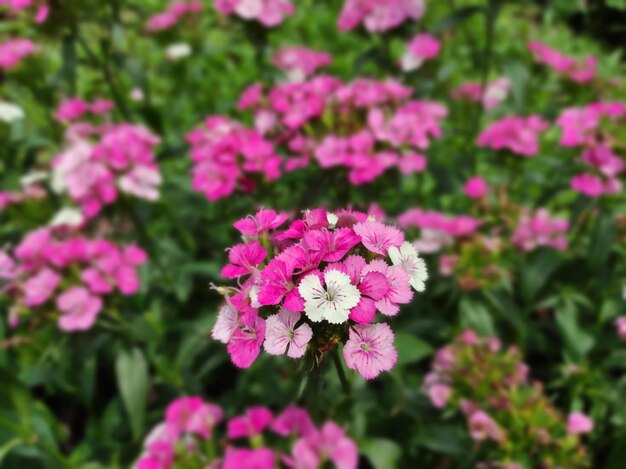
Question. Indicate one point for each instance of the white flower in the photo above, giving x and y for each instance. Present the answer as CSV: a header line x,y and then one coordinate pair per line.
x,y
67,216
10,112
33,177
332,220
410,261
410,62
249,9
178,51
137,94
332,302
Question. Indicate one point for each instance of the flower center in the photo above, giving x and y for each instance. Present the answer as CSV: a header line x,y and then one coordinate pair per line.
x,y
365,347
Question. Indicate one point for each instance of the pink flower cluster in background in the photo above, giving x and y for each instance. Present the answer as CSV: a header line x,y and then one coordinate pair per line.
x,y
30,190
366,126
13,51
517,134
421,48
495,92
437,230
269,13
491,388
92,174
592,128
300,62
540,229
322,277
579,71
73,109
73,273
379,15
191,425
172,15
41,14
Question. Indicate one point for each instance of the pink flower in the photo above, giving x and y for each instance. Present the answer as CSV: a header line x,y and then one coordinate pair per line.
x,y
14,50
269,13
581,71
277,283
244,458
421,48
300,62
293,421
244,258
259,224
329,443
379,15
333,245
620,326
79,309
378,237
587,184
226,323
71,109
39,288
253,422
399,291
578,423
281,334
517,134
540,229
370,350
476,188
245,343
482,427
191,414
439,394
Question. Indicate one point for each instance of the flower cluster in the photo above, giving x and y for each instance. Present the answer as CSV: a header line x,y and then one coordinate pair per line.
x,y
421,48
579,71
172,15
592,128
379,15
13,51
507,414
540,229
30,189
315,284
366,126
269,13
67,276
299,62
494,93
73,109
122,160
517,134
189,436
41,14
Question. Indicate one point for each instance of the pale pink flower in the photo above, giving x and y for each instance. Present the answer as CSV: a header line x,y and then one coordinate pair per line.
x,y
620,326
251,423
300,62
378,237
226,323
79,309
332,301
439,394
39,288
517,134
369,349
379,15
142,182
578,423
482,427
399,291
14,50
281,334
476,187
330,443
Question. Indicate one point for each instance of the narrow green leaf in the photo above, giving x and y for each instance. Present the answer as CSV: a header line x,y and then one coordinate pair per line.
x,y
132,379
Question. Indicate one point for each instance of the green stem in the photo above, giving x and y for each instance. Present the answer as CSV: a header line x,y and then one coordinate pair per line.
x,y
342,375
311,390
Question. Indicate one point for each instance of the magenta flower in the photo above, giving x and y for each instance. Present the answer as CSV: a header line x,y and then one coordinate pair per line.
x,y
330,443
331,245
293,421
39,288
378,237
587,184
281,334
540,229
421,48
261,223
79,309
192,415
399,291
244,458
13,51
370,350
244,258
578,423
277,283
253,422
476,188
517,134
245,343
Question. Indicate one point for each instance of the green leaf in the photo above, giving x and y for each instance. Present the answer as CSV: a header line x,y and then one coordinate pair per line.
x,y
617,4
133,382
410,348
382,453
457,17
537,272
578,342
601,241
